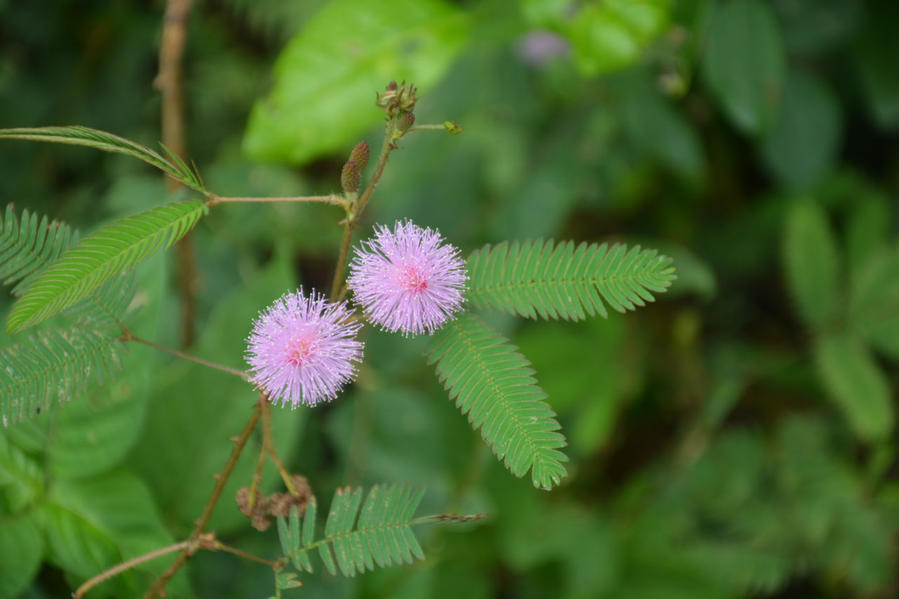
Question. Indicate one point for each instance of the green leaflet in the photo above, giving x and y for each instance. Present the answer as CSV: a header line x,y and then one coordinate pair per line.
x,y
494,385
101,140
811,262
539,278
355,541
53,366
113,249
28,245
856,385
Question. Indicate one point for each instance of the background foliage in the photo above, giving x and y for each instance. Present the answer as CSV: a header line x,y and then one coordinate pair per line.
x,y
735,438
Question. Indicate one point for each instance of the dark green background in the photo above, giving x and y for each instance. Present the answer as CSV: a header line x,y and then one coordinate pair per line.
x,y
736,438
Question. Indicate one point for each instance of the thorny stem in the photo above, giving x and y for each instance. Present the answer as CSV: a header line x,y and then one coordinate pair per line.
x,y
114,571
127,335
269,446
334,200
221,480
356,210
168,82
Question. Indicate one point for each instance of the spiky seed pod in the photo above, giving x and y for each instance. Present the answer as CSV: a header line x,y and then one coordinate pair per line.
x,y
349,177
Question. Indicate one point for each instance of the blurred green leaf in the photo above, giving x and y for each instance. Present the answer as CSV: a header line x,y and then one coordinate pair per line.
x,y
817,26
802,145
877,54
21,480
658,129
874,301
587,372
92,524
20,554
744,62
612,34
811,264
856,384
868,227
327,76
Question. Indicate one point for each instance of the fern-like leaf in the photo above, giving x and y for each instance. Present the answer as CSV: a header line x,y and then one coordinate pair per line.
x,y
540,278
101,140
113,249
28,245
54,366
494,385
355,541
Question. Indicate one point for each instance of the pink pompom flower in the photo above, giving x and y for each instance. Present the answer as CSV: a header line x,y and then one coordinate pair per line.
x,y
303,350
408,279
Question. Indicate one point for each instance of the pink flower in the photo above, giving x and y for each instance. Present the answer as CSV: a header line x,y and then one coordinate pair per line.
x,y
408,279
303,349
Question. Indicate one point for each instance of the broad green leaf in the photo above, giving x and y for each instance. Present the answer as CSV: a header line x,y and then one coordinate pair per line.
x,y
856,384
54,366
612,34
494,386
193,410
111,250
28,245
93,524
21,479
107,142
874,301
549,280
802,145
743,62
811,264
327,76
20,554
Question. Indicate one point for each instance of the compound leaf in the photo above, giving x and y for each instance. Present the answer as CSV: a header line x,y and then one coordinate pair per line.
x,y
494,385
112,250
549,280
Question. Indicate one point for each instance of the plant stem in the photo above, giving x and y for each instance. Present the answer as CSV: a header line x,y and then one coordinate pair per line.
x,y
168,82
221,480
269,446
335,200
206,542
342,259
257,476
217,546
359,206
114,571
127,335
440,127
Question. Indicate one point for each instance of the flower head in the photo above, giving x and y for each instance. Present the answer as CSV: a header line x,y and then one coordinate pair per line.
x,y
303,349
408,279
